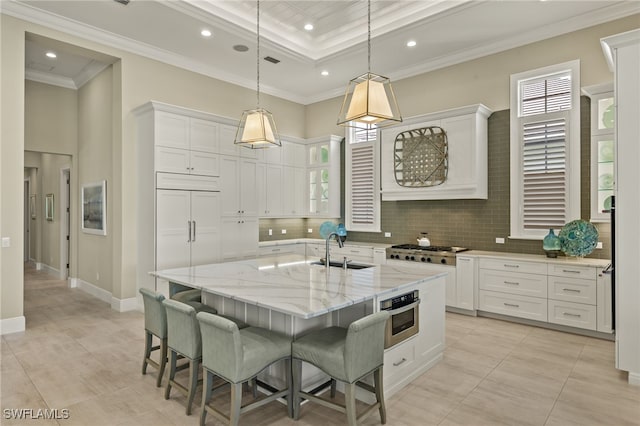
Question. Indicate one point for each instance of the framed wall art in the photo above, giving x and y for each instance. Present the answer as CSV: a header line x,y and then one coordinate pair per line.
x,y
48,207
94,208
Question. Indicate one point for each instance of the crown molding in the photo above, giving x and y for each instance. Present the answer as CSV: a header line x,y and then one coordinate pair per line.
x,y
49,78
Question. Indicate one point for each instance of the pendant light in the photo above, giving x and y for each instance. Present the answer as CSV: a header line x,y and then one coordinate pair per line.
x,y
257,128
369,101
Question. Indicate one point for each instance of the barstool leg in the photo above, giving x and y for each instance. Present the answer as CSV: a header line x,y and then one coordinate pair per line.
x,y
172,373
333,388
377,381
194,365
236,402
163,361
296,377
207,390
147,351
289,387
350,402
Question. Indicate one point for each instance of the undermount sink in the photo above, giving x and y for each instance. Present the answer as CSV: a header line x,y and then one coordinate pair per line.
x,y
340,265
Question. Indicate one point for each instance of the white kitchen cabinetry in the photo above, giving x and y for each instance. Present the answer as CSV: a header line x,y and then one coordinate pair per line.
x,y
323,177
282,248
270,186
560,292
465,283
353,253
188,228
294,191
239,211
602,149
467,176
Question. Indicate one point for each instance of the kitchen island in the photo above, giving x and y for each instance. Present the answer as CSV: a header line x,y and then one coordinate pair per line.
x,y
290,294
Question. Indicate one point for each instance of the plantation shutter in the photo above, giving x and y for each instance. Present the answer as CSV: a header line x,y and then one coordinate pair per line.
x,y
362,192
544,157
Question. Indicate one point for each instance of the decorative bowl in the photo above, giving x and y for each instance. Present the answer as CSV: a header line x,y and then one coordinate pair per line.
x,y
578,238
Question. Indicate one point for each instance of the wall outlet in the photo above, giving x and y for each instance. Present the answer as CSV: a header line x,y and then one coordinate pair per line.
x,y
499,240
270,231
6,242
387,234
599,245
284,231
310,230
97,276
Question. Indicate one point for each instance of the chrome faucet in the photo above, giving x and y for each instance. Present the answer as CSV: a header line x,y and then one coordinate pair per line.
x,y
326,253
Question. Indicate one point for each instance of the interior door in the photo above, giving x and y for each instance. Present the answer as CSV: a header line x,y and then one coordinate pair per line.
x,y
205,222
172,222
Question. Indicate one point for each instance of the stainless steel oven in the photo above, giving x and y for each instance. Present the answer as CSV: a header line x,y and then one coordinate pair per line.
x,y
404,320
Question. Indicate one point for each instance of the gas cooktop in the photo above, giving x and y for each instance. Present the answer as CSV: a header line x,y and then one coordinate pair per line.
x,y
451,249
444,255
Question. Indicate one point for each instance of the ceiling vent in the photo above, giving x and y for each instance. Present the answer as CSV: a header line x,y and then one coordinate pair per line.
x,y
271,59
124,2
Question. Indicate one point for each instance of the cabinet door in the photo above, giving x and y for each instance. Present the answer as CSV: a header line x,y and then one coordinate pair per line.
x,y
465,282
230,241
294,195
272,155
172,160
171,130
205,163
229,185
293,154
248,237
261,192
203,135
318,191
273,190
226,136
248,191
604,302
205,222
172,234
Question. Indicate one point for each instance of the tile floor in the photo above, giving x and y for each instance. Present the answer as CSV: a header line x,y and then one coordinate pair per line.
x,y
80,355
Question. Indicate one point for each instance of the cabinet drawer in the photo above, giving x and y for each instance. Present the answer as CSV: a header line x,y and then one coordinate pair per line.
x,y
572,271
513,283
399,360
514,266
187,182
274,250
572,290
510,304
572,314
364,254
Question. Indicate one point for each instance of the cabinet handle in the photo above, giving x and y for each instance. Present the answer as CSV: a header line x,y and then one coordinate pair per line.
x,y
403,360
194,231
569,314
506,265
571,289
463,259
512,282
570,271
513,305
189,239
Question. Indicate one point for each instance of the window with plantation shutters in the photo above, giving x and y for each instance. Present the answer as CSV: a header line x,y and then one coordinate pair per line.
x,y
362,195
545,150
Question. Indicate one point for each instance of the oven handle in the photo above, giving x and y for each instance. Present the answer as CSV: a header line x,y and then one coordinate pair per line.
x,y
403,308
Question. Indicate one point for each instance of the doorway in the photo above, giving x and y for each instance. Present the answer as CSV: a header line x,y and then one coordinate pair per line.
x,y
65,222
28,210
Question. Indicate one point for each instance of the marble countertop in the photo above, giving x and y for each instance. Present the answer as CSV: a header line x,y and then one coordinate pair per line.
x,y
292,285
565,260
321,241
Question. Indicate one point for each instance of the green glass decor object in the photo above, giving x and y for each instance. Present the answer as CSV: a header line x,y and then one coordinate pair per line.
x,y
551,244
578,238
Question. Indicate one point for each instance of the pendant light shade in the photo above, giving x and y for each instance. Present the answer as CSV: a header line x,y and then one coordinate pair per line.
x,y
257,128
369,100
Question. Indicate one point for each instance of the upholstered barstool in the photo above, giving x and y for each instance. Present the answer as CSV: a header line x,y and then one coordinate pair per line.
x,y
155,324
238,355
183,293
347,355
184,340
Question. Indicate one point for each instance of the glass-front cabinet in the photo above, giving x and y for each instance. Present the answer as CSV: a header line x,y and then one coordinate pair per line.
x,y
603,174
323,177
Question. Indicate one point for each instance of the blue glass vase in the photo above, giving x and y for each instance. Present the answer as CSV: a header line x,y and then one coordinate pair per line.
x,y
551,244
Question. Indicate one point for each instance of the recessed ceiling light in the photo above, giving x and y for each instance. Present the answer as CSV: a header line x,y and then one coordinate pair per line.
x,y
325,73
51,55
411,43
240,48
205,33
308,27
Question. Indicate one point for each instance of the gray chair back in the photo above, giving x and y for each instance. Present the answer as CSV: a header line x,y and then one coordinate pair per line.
x,y
155,316
183,329
364,346
221,346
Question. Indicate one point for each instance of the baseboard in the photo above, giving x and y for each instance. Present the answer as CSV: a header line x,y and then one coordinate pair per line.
x,y
124,305
12,325
50,270
634,378
93,290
